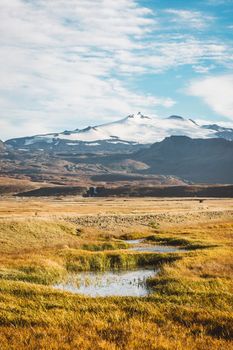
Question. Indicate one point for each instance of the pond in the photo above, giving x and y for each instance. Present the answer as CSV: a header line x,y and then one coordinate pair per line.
x,y
156,249
119,282
134,241
115,283
139,245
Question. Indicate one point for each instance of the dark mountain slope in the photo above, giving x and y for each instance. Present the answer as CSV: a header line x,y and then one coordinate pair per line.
x,y
198,160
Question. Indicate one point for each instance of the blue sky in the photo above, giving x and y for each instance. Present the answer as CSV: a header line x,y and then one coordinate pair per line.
x,y
66,64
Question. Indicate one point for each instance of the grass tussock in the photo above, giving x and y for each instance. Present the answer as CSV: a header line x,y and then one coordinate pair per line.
x,y
80,261
105,246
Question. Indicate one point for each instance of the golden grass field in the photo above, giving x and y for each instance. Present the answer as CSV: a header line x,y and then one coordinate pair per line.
x,y
191,306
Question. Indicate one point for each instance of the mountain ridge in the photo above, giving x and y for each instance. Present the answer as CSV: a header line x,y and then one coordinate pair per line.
x,y
127,134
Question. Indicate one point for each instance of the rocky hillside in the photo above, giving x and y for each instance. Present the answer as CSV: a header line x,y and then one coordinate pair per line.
x,y
198,160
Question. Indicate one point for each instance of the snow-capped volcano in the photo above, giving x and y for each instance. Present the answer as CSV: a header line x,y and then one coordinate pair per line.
x,y
135,129
138,128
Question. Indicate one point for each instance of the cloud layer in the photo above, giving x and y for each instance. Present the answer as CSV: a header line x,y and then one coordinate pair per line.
x,y
187,18
216,92
67,61
63,60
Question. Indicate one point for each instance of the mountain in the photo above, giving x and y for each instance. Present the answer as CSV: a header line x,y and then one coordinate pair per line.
x,y
220,131
125,135
197,160
142,147
176,160
2,146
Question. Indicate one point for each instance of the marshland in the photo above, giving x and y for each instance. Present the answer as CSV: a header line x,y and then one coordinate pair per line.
x,y
88,273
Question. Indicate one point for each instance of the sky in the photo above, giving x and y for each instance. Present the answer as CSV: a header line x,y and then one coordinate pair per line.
x,y
67,64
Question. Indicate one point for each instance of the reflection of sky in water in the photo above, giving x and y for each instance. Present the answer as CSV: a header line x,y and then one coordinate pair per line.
x,y
156,249
134,241
140,246
122,283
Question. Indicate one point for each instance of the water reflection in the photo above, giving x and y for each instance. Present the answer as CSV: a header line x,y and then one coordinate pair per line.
x,y
134,241
140,246
118,283
156,249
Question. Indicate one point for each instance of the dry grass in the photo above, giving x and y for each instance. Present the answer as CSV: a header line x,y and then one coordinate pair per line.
x,y
21,207
191,306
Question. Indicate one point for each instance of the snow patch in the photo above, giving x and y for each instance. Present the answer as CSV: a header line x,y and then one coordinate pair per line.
x,y
135,128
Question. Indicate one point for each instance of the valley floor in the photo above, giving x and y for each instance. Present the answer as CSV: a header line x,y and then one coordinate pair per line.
x,y
43,240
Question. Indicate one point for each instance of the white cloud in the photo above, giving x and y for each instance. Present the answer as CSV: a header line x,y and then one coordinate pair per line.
x,y
203,69
60,62
187,51
193,19
216,92
67,61
168,52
